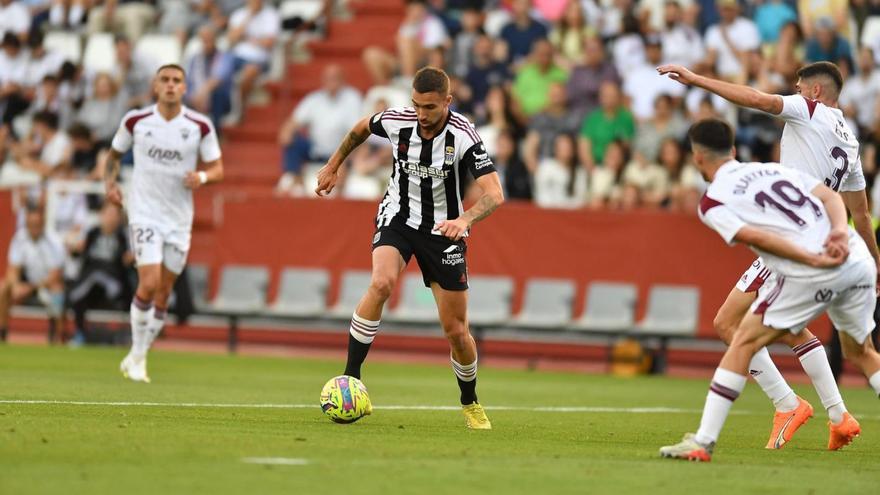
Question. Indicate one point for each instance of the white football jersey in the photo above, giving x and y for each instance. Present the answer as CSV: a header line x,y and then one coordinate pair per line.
x,y
776,199
817,140
164,152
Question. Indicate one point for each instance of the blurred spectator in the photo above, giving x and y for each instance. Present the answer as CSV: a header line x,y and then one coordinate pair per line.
x,y
605,190
654,14
13,71
104,109
837,11
420,32
367,173
682,44
643,85
645,184
15,19
554,120
41,63
587,77
102,282
133,74
317,126
484,71
463,53
33,272
788,54
209,78
182,17
559,181
628,51
729,42
514,176
500,116
610,122
551,10
858,98
522,32
129,17
533,82
826,44
85,151
667,123
612,16
686,186
253,30
770,16
570,34
48,99
69,14
47,150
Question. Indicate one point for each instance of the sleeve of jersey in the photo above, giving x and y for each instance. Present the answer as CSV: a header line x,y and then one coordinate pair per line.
x,y
376,126
796,108
122,140
476,161
721,219
209,149
855,179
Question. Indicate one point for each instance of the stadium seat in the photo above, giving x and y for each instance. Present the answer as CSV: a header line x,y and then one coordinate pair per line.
x,y
672,311
548,304
242,290
100,53
197,278
354,284
610,307
66,43
416,303
159,49
489,300
307,10
303,293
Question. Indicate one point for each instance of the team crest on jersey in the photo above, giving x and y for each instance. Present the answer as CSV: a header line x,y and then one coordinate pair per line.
x,y
449,157
184,133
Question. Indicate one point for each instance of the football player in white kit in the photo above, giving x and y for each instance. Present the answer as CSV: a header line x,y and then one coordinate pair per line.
x,y
816,140
798,225
168,141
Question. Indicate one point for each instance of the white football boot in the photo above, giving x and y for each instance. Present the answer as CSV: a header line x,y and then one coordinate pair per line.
x,y
135,369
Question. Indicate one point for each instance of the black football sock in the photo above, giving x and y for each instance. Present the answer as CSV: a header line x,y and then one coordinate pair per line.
x,y
357,353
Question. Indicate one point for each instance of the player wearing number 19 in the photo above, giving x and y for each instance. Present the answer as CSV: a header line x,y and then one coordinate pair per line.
x,y
816,140
168,141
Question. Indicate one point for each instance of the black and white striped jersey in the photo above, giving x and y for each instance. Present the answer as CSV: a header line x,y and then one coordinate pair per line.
x,y
427,181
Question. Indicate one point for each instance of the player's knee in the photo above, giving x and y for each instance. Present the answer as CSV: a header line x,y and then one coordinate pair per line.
x,y
724,326
147,287
381,286
456,331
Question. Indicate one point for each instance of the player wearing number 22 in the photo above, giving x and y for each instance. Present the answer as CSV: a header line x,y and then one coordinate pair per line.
x,y
817,141
798,225
168,141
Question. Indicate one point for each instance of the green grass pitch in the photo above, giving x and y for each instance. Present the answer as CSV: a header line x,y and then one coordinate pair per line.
x,y
164,447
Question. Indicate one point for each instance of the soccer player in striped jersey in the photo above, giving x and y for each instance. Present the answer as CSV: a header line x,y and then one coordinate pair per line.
x,y
816,140
422,215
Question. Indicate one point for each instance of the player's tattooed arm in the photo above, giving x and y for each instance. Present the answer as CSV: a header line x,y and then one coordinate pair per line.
x,y
328,175
111,172
490,200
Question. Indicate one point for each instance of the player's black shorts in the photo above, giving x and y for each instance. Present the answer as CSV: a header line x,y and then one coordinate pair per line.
x,y
440,259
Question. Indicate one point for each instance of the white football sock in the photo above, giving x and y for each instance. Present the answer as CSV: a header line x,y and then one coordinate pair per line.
x,y
140,317
874,380
765,372
363,330
815,362
154,327
724,389
464,372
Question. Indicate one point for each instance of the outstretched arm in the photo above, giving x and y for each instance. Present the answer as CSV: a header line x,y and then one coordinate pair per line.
x,y
737,94
490,200
329,173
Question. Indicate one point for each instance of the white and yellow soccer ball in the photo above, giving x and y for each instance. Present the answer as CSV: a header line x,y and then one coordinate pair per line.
x,y
344,399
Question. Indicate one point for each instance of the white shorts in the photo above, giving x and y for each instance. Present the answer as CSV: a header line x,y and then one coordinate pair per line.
x,y
154,245
792,303
754,276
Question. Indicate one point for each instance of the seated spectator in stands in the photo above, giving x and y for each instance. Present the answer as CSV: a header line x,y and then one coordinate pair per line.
x,y
585,80
14,19
644,85
859,96
837,11
645,184
610,122
729,41
826,44
13,73
522,32
33,272
554,120
770,16
41,63
682,44
787,54
532,84
103,281
86,152
368,167
182,17
103,110
47,98
560,182
132,18
317,126
47,150
605,179
570,34
209,78
484,71
666,123
515,177
628,51
133,74
253,31
419,33
500,115
68,14
462,52
685,183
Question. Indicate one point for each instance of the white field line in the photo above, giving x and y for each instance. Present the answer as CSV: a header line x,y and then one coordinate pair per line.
x,y
275,461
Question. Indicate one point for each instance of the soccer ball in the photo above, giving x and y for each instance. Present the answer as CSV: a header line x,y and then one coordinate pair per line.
x,y
345,399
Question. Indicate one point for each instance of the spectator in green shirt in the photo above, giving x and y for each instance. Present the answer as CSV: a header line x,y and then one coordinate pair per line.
x,y
534,79
611,121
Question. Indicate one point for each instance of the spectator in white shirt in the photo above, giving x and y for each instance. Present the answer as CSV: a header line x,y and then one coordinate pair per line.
x,y
858,98
13,72
643,85
729,43
48,150
317,126
68,14
253,30
14,18
682,44
33,269
130,17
